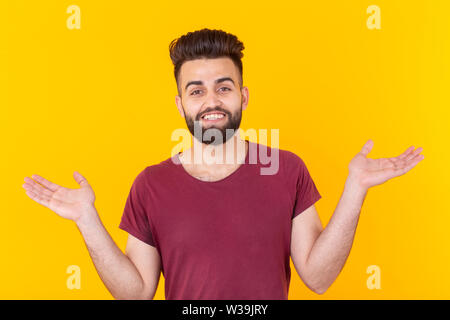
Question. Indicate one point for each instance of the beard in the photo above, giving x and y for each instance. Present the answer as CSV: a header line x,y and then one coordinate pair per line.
x,y
218,134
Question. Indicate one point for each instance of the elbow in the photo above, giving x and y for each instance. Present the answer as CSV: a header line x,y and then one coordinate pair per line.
x,y
147,294
134,297
319,288
144,294
318,283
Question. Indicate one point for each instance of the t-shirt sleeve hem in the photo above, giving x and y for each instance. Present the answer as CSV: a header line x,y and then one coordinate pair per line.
x,y
136,234
306,205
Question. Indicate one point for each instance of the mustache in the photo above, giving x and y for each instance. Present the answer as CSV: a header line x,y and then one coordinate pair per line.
x,y
213,109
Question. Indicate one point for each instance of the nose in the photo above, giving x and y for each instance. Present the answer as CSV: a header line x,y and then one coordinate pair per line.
x,y
212,100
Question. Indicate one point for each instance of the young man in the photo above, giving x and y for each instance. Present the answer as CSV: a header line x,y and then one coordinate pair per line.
x,y
220,230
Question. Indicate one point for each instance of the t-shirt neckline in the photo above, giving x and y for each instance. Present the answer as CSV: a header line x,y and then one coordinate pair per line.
x,y
223,180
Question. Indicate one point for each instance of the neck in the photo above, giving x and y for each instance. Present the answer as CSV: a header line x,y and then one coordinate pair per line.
x,y
215,160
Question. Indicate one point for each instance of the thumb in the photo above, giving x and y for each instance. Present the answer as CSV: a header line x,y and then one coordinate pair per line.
x,y
367,147
80,179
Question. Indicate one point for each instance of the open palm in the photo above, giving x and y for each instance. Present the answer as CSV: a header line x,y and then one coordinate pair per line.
x,y
68,203
370,172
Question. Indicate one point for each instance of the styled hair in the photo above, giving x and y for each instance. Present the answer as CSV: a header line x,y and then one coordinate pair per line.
x,y
205,43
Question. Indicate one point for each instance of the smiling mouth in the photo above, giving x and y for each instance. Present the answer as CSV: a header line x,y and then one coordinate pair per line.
x,y
213,116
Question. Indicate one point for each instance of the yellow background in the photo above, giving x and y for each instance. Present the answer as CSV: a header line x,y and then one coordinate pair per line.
x,y
100,100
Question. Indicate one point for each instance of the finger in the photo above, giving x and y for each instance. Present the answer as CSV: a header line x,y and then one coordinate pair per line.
x,y
36,187
413,163
402,159
80,179
49,185
367,147
399,159
39,198
414,154
406,153
410,164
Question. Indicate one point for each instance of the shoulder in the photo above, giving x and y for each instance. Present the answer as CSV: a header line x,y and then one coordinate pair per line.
x,y
155,172
290,162
289,165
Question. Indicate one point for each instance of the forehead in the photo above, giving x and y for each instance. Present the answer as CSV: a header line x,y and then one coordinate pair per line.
x,y
208,70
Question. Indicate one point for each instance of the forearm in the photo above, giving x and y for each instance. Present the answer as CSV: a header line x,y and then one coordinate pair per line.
x,y
116,270
332,247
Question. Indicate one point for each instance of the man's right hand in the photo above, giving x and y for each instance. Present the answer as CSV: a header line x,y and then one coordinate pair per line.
x,y
68,203
139,269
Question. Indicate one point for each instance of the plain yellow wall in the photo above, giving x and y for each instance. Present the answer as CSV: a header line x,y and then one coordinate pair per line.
x,y
100,100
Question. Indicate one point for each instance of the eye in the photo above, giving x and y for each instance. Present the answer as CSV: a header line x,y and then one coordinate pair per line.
x,y
192,93
226,88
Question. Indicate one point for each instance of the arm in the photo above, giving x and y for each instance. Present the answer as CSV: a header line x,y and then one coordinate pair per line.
x,y
131,276
320,254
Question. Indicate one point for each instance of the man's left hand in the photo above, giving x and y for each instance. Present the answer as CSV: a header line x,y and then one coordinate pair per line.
x,y
366,172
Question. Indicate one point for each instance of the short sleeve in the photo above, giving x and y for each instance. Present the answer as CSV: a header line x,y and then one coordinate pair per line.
x,y
306,193
135,219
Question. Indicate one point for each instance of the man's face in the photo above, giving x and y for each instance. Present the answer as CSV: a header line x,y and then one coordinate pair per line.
x,y
211,94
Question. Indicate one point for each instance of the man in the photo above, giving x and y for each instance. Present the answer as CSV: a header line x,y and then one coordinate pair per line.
x,y
220,230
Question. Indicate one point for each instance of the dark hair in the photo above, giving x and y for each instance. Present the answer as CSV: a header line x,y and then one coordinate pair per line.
x,y
205,43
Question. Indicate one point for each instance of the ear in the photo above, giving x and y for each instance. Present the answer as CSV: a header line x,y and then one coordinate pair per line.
x,y
244,93
179,105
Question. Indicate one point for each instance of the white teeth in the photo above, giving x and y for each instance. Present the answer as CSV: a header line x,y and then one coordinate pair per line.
x,y
213,116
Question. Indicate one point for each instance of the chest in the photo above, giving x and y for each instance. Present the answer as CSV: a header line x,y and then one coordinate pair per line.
x,y
216,220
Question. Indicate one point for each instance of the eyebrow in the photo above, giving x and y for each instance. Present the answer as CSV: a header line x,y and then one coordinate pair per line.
x,y
199,82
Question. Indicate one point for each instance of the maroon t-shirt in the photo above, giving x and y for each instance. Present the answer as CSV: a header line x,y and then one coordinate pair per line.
x,y
226,239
